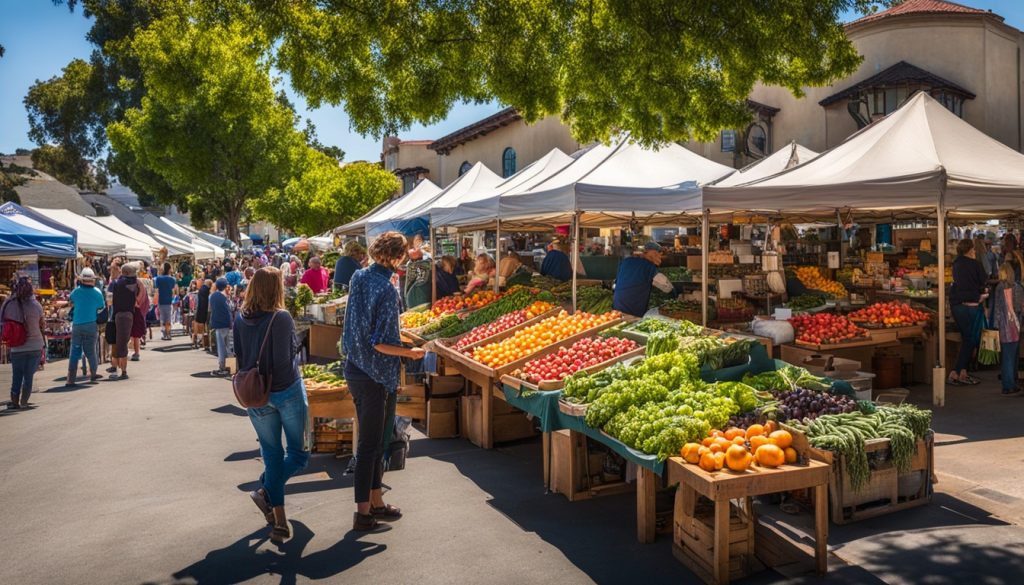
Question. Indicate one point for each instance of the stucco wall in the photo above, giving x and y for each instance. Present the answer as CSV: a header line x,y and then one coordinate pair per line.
x,y
418,155
530,143
973,52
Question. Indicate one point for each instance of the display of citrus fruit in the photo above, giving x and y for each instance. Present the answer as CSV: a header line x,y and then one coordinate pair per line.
x,y
737,458
769,456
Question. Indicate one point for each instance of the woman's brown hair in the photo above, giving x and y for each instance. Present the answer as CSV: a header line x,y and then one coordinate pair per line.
x,y
964,246
389,249
265,292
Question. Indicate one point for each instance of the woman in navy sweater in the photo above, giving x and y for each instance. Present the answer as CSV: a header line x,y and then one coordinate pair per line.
x,y
965,297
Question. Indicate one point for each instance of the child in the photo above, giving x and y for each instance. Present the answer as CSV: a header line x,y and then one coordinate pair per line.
x,y
1007,305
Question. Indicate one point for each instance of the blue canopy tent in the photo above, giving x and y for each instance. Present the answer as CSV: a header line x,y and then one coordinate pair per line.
x,y
31,219
17,239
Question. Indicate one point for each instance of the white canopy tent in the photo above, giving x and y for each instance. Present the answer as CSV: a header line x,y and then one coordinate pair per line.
x,y
611,183
204,249
477,180
424,192
95,238
119,227
481,207
168,236
921,156
785,158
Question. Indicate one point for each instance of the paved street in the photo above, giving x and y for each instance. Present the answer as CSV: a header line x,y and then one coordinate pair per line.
x,y
144,481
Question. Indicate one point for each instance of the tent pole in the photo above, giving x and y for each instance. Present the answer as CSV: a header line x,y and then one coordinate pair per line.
x,y
705,243
939,373
575,255
497,256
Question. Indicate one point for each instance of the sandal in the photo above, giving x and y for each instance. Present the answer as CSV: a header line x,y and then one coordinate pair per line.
x,y
259,497
971,381
279,534
955,382
364,522
386,512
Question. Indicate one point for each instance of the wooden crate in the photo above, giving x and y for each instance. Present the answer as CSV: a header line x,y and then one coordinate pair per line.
x,y
414,407
572,469
451,341
550,385
323,340
442,418
881,495
508,423
693,536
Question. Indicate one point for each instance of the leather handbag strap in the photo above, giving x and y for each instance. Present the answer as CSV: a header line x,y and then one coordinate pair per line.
x,y
266,336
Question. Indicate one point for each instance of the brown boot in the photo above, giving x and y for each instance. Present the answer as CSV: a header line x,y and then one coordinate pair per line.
x,y
280,532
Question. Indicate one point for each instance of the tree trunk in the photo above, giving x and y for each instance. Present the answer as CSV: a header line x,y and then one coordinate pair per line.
x,y
231,218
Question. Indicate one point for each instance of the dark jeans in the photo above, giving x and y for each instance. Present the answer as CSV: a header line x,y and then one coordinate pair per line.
x,y
375,411
1008,363
24,365
966,319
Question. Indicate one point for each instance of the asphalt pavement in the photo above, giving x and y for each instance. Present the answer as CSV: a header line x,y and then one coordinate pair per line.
x,y
145,481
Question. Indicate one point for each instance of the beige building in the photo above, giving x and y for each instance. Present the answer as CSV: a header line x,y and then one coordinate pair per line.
x,y
504,142
410,161
965,57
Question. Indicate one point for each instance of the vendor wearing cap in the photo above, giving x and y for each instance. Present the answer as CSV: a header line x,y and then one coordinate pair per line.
x,y
556,263
634,279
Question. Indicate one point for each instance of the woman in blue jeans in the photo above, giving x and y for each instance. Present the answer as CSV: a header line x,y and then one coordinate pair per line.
x,y
965,297
23,307
373,352
1007,307
87,301
264,338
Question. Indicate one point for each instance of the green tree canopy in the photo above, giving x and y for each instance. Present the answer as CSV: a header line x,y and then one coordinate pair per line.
x,y
323,195
660,69
210,123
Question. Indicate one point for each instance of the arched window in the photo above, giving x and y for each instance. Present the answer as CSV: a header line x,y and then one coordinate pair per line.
x,y
464,167
508,162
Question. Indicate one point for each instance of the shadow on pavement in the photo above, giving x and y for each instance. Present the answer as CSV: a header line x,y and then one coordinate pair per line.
x,y
243,455
322,474
244,559
172,348
230,409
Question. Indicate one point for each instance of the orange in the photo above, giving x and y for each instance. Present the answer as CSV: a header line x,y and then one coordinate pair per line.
x,y
770,427
737,458
723,443
757,441
719,461
707,441
690,453
754,430
702,450
707,462
791,455
770,456
716,447
781,438
733,433
740,441
717,433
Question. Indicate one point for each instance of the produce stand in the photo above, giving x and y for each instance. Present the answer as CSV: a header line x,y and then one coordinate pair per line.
x,y
486,377
323,340
706,550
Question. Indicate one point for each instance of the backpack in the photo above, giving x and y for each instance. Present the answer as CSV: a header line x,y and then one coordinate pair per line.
x,y
252,389
13,333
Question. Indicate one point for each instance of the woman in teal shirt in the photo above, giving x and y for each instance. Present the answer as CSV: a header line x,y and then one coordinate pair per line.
x,y
87,301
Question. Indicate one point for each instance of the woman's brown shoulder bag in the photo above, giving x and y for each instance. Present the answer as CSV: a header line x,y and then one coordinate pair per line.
x,y
252,389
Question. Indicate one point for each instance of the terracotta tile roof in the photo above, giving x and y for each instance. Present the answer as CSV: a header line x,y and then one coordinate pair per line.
x,y
923,7
899,74
445,144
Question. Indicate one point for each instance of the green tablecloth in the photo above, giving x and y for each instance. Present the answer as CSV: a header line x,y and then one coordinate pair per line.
x,y
544,407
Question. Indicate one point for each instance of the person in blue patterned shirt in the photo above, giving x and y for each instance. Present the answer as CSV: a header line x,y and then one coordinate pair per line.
x,y
373,353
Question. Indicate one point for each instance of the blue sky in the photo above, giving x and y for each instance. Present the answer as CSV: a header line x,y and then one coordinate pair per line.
x,y
41,38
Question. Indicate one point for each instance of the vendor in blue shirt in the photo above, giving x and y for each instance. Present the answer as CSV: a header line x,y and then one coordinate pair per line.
x,y
347,264
447,283
634,279
556,263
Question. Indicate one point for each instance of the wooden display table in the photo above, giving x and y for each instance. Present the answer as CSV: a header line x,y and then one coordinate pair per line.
x,y
722,486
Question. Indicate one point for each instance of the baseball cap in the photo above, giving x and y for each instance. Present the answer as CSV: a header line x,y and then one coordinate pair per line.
x,y
222,283
653,246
